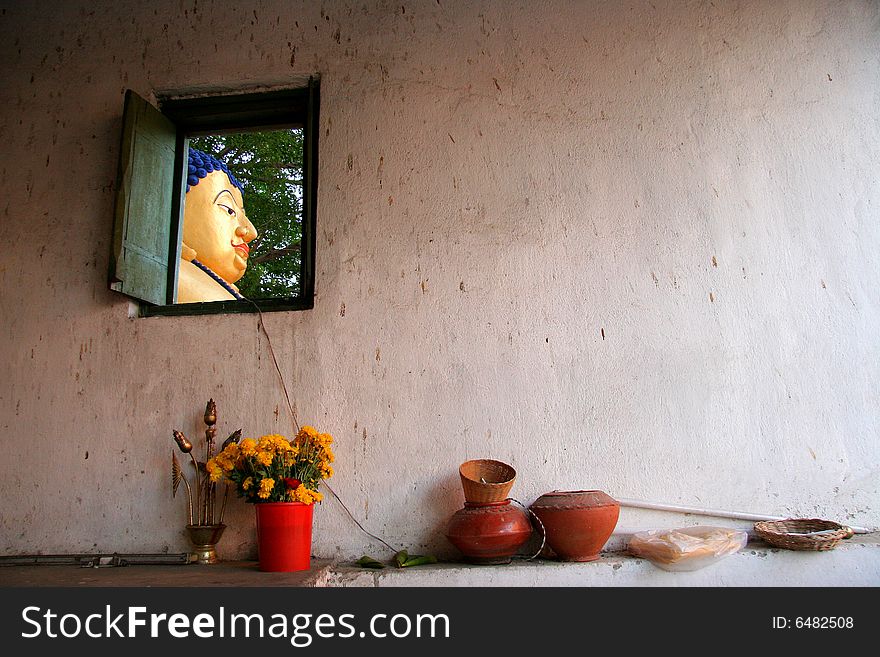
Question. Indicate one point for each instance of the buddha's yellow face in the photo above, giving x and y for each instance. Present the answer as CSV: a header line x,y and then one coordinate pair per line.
x,y
216,227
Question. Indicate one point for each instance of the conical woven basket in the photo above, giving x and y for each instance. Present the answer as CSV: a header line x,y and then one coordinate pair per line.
x,y
485,481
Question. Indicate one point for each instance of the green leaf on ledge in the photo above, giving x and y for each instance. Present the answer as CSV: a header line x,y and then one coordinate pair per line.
x,y
369,562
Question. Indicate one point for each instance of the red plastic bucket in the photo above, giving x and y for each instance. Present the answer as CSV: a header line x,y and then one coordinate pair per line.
x,y
284,536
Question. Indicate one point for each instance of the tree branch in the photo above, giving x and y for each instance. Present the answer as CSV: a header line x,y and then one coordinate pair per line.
x,y
249,178
277,253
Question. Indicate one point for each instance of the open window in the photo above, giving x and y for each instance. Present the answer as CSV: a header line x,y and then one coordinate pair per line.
x,y
215,208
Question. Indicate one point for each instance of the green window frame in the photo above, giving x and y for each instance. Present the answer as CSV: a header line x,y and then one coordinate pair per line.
x,y
152,183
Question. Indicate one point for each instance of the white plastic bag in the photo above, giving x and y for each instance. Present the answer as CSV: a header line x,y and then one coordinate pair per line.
x,y
688,548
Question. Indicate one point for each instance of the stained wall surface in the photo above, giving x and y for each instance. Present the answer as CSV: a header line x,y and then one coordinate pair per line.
x,y
624,246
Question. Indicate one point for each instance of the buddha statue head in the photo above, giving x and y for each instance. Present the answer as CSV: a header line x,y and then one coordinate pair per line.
x,y
216,231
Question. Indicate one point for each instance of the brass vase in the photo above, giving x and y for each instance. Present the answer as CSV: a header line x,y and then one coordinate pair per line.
x,y
204,539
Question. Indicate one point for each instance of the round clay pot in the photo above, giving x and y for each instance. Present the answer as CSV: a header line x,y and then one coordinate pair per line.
x,y
489,533
577,523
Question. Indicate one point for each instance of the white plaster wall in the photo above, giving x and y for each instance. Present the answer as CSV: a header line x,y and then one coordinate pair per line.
x,y
629,246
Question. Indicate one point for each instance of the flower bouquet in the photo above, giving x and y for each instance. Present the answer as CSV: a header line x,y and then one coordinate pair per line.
x,y
273,469
281,478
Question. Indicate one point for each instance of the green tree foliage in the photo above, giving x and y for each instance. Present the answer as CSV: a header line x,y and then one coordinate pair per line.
x,y
269,166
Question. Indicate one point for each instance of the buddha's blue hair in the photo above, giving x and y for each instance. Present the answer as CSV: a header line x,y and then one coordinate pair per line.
x,y
201,164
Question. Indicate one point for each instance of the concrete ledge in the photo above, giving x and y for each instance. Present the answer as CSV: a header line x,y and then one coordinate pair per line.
x,y
225,573
855,562
852,563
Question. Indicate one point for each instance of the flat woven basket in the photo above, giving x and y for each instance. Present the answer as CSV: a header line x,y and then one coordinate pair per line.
x,y
802,533
486,481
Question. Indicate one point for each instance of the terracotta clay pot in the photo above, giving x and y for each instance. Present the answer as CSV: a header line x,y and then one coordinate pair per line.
x,y
577,523
489,533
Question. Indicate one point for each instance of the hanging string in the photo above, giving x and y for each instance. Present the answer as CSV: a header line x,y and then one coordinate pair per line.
x,y
262,326
540,524
350,515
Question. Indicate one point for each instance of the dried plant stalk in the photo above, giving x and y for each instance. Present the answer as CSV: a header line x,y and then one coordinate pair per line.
x,y
189,500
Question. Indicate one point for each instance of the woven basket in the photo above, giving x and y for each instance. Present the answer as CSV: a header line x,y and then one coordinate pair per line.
x,y
797,533
485,481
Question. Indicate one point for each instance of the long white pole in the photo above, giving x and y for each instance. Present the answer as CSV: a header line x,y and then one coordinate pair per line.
x,y
717,513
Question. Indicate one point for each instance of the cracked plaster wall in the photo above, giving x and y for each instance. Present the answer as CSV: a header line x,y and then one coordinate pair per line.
x,y
619,245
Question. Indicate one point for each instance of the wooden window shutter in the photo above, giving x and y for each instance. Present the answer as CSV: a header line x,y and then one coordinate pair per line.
x,y
144,204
